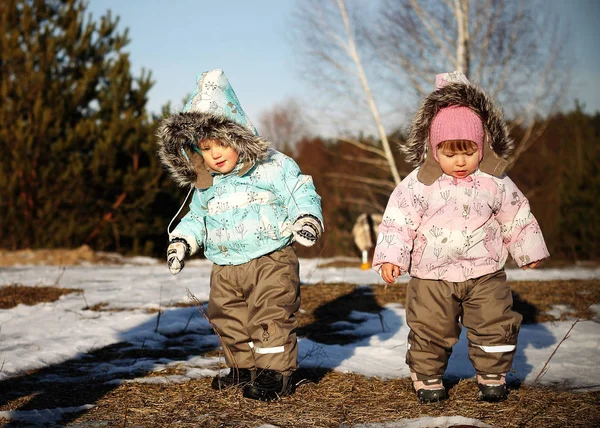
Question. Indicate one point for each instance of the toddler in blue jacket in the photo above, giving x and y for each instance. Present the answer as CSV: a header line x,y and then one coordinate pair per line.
x,y
249,204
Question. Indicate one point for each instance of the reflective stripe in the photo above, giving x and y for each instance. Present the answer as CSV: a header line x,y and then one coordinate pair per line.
x,y
495,349
275,350
251,345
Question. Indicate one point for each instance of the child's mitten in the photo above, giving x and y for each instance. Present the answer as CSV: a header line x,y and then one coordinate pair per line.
x,y
178,248
307,230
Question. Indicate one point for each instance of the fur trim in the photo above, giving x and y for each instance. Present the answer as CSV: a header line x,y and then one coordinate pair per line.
x,y
495,128
184,129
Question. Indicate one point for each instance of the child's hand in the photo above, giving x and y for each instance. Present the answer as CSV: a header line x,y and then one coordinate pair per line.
x,y
306,230
532,265
389,272
175,255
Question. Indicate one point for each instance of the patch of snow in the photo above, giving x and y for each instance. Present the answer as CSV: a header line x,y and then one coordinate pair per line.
x,y
65,332
44,416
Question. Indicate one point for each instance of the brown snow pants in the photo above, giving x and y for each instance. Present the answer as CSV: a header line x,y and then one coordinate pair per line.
x,y
435,310
252,307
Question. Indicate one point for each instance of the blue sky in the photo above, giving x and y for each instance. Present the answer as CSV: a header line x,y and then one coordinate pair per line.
x,y
176,39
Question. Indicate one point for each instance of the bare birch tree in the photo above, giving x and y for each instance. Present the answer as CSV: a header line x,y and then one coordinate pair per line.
x,y
329,36
513,49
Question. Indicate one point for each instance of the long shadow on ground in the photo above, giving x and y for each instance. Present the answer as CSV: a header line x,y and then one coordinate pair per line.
x,y
87,377
177,336
348,321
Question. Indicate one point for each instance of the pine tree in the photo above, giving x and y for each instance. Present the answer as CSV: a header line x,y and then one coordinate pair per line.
x,y
580,186
561,178
78,163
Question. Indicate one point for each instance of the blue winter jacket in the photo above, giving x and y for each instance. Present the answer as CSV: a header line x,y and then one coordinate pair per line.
x,y
240,218
248,212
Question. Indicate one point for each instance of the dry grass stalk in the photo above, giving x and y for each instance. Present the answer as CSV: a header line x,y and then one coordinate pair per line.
x,y
336,399
15,294
545,367
199,305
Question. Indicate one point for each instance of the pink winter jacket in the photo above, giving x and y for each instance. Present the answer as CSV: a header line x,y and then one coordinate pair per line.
x,y
457,229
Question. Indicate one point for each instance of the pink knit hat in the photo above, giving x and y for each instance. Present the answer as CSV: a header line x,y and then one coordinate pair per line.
x,y
456,123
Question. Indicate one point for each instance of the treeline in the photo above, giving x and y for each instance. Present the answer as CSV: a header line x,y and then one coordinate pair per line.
x,y
78,162
559,174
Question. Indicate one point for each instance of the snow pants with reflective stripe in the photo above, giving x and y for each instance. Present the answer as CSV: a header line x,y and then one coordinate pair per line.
x,y
435,310
251,307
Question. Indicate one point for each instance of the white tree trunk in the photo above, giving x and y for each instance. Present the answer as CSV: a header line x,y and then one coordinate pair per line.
x,y
351,49
461,12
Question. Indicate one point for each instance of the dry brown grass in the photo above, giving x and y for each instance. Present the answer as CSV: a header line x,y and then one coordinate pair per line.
x,y
542,295
336,400
325,399
14,294
57,257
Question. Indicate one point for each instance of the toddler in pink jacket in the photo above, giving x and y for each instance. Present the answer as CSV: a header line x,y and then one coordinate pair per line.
x,y
451,224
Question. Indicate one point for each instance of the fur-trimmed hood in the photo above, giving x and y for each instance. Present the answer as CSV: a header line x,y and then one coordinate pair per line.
x,y
455,93
178,133
212,112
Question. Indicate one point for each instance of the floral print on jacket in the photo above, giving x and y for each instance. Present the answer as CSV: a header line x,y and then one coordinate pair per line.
x,y
240,218
457,229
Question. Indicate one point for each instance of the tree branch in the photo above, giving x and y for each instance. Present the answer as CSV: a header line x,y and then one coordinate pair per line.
x,y
376,162
364,202
363,146
365,180
434,31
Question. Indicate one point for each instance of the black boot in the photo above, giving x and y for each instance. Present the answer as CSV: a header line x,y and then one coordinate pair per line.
x,y
235,377
492,393
429,391
431,395
492,387
269,385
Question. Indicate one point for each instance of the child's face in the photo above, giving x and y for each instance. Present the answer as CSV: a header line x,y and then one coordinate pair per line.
x,y
458,164
218,156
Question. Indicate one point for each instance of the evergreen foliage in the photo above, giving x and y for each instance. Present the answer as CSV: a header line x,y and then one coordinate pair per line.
x,y
579,189
78,163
